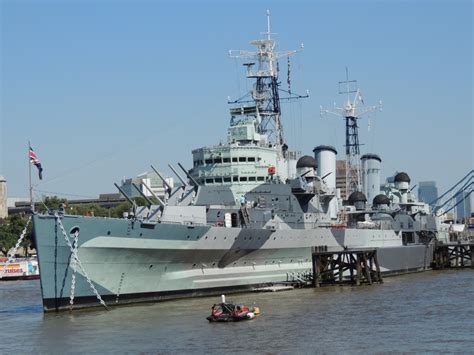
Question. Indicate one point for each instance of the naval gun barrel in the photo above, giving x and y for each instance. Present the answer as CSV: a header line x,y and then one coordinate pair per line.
x,y
325,176
306,173
160,201
125,195
168,187
179,176
142,194
193,181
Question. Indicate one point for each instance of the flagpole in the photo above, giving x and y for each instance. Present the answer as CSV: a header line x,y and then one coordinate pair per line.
x,y
32,206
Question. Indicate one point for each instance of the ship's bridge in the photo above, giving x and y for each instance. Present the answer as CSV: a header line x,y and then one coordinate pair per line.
x,y
232,163
240,166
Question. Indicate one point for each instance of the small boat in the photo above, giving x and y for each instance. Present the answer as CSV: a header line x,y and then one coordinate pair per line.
x,y
229,312
19,269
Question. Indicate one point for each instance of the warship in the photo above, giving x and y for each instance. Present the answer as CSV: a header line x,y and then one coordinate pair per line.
x,y
247,214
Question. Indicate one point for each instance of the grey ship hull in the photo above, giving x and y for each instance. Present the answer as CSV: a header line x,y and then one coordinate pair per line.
x,y
130,261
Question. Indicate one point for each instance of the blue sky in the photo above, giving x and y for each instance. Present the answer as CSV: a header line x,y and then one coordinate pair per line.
x,y
105,88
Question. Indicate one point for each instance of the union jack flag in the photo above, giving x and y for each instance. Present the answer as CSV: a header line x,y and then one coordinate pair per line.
x,y
35,161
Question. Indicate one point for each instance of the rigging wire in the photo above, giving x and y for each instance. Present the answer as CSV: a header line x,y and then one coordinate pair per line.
x,y
64,194
468,176
106,157
458,203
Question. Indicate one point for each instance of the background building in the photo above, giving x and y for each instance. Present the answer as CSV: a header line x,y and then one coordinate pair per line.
x,y
465,208
427,191
3,198
148,178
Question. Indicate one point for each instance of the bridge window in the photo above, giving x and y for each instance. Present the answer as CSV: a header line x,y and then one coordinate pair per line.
x,y
243,178
260,178
208,161
218,180
209,181
227,179
235,178
234,160
251,178
242,159
251,159
226,160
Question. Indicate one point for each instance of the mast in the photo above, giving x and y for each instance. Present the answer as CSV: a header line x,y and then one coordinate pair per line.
x,y
351,112
264,99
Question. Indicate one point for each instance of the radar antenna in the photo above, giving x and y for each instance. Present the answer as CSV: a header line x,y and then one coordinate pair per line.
x,y
263,102
351,112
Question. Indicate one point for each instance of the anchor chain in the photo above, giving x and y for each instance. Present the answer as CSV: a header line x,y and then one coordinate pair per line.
x,y
12,253
78,262
74,268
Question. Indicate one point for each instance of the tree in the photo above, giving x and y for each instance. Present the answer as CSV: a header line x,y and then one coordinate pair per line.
x,y
10,231
117,211
52,203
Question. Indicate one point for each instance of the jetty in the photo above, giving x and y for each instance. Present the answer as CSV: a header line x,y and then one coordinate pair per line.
x,y
453,255
348,266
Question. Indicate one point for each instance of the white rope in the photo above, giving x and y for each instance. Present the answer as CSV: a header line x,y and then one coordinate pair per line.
x,y
12,253
78,262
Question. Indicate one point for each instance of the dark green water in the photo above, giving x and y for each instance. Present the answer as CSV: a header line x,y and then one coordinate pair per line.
x,y
426,312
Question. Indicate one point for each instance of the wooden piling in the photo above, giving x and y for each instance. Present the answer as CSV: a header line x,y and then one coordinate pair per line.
x,y
348,266
453,255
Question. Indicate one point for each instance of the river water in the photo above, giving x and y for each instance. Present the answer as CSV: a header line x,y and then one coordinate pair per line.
x,y
425,312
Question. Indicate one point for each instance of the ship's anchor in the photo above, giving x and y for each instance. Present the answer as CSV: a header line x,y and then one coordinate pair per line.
x,y
11,254
76,262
